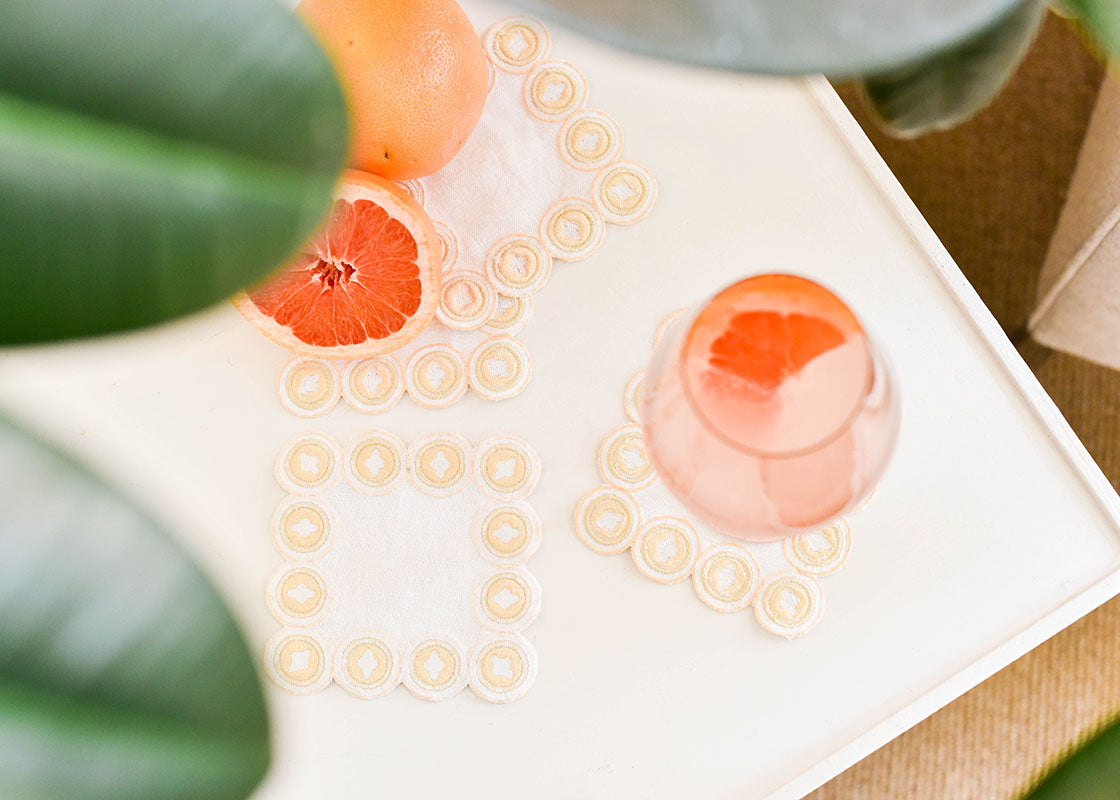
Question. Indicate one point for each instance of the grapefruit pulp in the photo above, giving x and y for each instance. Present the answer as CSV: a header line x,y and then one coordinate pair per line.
x,y
367,284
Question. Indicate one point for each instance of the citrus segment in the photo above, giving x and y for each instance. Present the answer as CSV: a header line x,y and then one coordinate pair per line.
x,y
367,284
777,363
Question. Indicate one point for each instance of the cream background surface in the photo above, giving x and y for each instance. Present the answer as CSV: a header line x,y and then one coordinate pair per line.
x,y
991,530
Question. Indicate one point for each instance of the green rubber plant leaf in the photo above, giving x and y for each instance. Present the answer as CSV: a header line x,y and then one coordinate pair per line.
x,y
841,38
1091,773
122,674
944,90
1102,17
155,156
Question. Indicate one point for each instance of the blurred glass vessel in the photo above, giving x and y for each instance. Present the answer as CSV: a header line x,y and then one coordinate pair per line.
x,y
768,412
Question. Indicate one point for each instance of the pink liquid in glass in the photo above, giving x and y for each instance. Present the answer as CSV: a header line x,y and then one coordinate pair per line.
x,y
768,412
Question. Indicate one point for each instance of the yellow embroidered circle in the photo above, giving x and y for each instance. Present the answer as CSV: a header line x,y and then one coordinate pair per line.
x,y
298,661
436,376
434,669
665,549
373,385
624,192
506,467
607,520
508,599
820,552
511,314
726,577
449,244
297,594
366,666
590,139
554,89
518,265
499,368
439,463
789,604
307,464
632,400
515,44
508,532
623,460
301,528
467,300
308,387
572,229
375,462
502,670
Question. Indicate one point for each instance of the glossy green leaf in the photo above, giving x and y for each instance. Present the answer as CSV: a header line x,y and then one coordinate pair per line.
x,y
122,675
1103,18
943,91
841,38
1091,773
155,156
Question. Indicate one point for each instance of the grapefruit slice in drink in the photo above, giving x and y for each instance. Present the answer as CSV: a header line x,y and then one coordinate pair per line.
x,y
780,368
367,284
777,364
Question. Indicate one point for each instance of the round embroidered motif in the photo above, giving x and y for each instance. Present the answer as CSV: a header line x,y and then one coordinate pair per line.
x,y
414,188
624,192
663,326
572,229
518,265
436,376
820,552
298,661
590,139
307,464
607,520
308,387
505,466
301,528
789,604
374,462
632,400
516,43
665,549
449,245
726,577
508,599
499,368
510,532
502,670
623,460
439,463
373,385
297,594
366,666
434,669
467,300
510,315
554,89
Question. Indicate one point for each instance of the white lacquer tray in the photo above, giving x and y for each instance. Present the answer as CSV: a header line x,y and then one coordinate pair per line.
x,y
992,530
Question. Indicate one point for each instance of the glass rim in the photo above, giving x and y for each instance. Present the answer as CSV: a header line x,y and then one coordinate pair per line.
x,y
875,364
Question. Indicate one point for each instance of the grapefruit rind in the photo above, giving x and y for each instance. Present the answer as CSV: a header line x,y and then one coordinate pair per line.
x,y
400,205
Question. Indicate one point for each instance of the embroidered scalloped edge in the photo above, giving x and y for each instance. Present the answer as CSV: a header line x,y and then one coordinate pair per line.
x,y
501,636
597,210
805,563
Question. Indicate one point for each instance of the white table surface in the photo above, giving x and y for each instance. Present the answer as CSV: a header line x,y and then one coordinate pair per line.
x,y
991,530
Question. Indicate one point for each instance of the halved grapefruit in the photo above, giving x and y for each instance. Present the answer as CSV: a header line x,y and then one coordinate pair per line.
x,y
367,284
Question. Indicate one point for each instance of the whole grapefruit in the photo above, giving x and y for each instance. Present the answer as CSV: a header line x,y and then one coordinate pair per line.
x,y
415,78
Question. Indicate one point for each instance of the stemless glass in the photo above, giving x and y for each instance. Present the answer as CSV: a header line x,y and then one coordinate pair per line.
x,y
768,411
